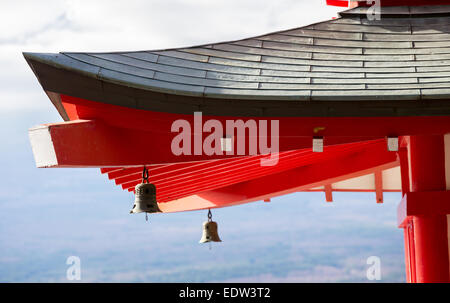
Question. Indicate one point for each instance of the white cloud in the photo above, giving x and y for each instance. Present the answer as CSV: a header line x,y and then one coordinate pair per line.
x,y
73,25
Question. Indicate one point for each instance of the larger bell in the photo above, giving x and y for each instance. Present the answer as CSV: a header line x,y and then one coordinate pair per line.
x,y
210,233
145,199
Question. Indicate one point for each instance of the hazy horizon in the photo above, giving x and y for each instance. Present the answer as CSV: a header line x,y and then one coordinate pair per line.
x,y
47,215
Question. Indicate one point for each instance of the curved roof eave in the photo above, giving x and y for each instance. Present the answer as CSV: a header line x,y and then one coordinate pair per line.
x,y
405,55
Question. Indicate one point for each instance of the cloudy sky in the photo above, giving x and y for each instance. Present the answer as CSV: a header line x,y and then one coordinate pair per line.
x,y
47,215
70,25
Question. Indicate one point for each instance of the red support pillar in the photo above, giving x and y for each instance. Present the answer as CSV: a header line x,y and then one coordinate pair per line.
x,y
428,254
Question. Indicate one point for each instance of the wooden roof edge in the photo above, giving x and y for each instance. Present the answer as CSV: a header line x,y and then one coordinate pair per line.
x,y
400,11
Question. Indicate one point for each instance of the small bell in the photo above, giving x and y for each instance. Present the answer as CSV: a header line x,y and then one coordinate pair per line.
x,y
210,233
145,196
145,199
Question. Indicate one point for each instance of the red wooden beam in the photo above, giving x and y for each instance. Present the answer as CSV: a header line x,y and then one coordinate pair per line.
x,y
353,3
379,186
300,156
105,170
328,193
156,171
229,168
89,143
404,169
195,182
319,174
84,143
340,3
427,208
193,169
128,138
412,204
207,183
350,165
153,169
300,130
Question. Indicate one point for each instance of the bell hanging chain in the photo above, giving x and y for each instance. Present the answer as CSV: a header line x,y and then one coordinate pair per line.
x,y
145,175
209,215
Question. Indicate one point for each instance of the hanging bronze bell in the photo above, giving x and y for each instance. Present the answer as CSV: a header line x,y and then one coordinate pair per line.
x,y
210,233
145,199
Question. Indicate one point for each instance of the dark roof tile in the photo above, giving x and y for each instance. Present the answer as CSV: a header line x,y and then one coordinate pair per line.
x,y
405,55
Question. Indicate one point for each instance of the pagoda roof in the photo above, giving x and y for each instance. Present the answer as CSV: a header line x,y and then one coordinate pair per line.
x,y
403,56
356,88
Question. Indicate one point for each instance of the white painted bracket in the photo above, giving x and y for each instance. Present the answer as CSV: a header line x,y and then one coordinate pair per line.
x,y
392,143
317,145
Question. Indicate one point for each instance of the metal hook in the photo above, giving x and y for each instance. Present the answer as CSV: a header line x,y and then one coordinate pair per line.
x,y
145,175
209,215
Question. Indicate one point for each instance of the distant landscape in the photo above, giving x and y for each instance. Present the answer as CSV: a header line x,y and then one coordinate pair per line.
x,y
47,215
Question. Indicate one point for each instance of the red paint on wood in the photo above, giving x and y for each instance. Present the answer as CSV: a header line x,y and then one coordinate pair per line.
x,y
427,163
310,176
340,3
347,3
404,169
379,186
407,254
335,130
424,207
426,203
431,249
328,193
249,167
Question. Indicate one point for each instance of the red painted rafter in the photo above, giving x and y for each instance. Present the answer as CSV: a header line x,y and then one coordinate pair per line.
x,y
354,3
154,170
190,169
301,178
207,183
328,193
404,169
356,190
299,129
105,170
125,137
121,140
379,186
198,182
86,143
225,167
241,164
